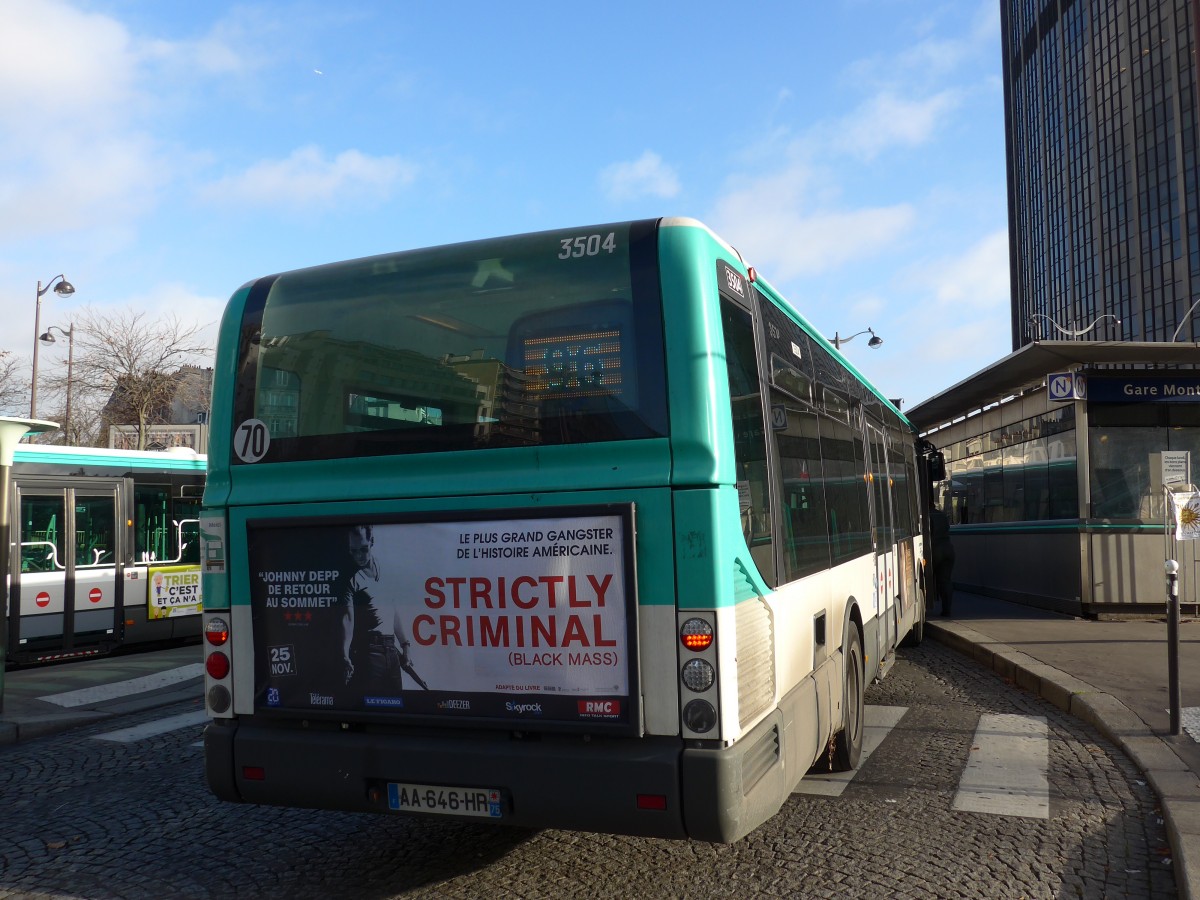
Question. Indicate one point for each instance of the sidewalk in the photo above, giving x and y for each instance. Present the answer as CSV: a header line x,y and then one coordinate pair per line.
x,y
1112,675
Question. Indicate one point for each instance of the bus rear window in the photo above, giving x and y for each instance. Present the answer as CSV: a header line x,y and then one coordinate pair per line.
x,y
541,339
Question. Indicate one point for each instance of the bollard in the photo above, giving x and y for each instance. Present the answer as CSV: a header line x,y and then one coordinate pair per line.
x,y
1173,647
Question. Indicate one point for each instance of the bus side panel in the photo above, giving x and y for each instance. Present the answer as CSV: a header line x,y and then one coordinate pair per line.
x,y
740,787
871,661
701,438
216,484
743,785
803,613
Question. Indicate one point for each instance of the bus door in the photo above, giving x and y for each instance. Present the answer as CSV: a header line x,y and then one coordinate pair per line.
x,y
67,572
883,532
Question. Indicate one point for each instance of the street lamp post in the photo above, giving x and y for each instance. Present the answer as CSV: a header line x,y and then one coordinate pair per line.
x,y
63,288
48,338
876,341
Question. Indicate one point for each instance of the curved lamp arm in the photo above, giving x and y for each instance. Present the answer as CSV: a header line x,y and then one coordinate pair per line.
x,y
1183,321
64,288
837,340
1074,332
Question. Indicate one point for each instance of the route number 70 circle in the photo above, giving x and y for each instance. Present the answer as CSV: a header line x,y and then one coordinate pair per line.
x,y
251,440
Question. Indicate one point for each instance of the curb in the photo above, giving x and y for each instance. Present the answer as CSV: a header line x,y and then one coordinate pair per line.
x,y
1177,787
30,727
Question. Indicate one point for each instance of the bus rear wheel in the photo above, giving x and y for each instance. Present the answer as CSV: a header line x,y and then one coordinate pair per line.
x,y
847,744
914,637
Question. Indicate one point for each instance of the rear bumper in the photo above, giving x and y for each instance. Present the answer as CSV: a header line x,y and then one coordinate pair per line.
x,y
554,781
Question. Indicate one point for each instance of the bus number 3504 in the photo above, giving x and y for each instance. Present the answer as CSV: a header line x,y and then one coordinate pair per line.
x,y
587,245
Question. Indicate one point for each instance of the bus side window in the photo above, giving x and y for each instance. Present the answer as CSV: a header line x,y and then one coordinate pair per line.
x,y
805,527
749,440
185,522
152,523
41,539
95,532
845,490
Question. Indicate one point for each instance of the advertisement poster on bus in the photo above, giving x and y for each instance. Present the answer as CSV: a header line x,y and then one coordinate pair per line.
x,y
512,617
173,591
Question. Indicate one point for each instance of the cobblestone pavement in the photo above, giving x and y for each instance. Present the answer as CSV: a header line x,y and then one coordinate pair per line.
x,y
96,819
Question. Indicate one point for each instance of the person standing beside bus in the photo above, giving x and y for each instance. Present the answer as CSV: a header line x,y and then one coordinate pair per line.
x,y
943,558
374,642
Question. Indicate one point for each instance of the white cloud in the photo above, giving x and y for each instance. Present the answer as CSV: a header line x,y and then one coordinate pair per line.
x,y
887,120
77,184
780,229
69,157
646,176
79,101
308,178
936,351
59,66
947,39
244,40
168,299
963,321
979,278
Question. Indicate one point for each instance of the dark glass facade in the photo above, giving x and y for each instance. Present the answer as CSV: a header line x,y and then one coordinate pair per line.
x,y
1101,132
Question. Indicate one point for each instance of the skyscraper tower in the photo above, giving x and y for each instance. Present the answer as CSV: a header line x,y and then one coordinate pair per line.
x,y
1100,115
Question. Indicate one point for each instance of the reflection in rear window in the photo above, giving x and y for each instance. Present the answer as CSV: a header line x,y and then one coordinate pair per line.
x,y
533,340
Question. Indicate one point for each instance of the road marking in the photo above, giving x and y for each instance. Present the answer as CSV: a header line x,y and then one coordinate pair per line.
x,y
102,692
878,721
155,728
1006,773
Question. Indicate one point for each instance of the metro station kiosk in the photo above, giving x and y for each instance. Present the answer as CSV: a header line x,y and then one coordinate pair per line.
x,y
1054,485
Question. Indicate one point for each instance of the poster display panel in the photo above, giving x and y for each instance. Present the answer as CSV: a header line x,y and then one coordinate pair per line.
x,y
514,616
173,591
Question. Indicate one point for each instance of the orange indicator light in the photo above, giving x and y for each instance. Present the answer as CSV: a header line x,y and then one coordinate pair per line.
x,y
696,634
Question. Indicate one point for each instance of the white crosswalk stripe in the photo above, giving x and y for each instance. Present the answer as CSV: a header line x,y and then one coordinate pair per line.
x,y
152,729
118,689
1007,771
878,721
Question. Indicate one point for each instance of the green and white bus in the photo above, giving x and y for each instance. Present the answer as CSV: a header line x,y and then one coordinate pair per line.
x,y
583,529
104,552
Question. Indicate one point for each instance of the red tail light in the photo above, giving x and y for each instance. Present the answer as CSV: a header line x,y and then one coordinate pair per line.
x,y
216,631
217,664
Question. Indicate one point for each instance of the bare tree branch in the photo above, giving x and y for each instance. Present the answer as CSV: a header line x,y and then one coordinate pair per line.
x,y
127,367
14,385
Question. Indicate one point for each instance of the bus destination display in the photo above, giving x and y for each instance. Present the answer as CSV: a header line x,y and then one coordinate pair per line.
x,y
582,364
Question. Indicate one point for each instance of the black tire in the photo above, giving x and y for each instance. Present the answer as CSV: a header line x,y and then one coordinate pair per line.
x,y
914,637
847,743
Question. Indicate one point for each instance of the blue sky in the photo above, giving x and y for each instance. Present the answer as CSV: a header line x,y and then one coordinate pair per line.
x,y
162,154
